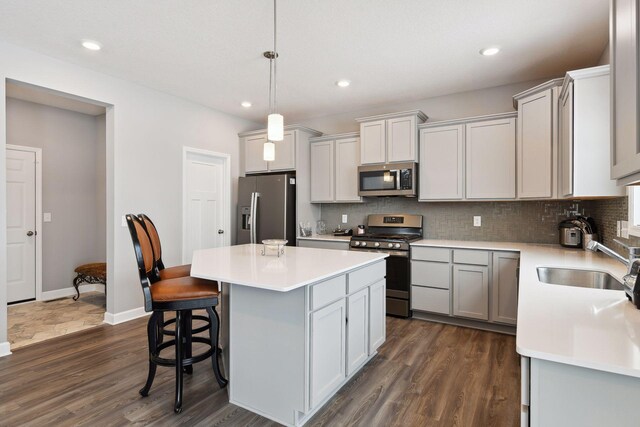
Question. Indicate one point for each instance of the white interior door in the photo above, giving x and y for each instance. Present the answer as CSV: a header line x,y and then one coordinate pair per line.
x,y
21,225
206,203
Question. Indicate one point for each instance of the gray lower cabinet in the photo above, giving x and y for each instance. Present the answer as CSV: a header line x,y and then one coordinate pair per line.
x,y
504,288
468,283
471,291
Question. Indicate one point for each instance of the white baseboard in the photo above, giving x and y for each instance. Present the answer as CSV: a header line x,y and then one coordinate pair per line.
x,y
5,349
70,291
125,316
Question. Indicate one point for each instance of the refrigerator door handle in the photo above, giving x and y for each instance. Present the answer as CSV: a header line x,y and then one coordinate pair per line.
x,y
254,216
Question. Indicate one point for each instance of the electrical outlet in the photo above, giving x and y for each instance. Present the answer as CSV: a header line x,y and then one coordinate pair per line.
x,y
624,229
46,217
618,229
344,218
477,221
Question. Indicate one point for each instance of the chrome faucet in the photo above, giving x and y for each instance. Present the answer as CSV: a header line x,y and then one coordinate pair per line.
x,y
631,280
633,254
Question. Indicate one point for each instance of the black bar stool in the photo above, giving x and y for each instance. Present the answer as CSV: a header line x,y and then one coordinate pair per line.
x,y
182,295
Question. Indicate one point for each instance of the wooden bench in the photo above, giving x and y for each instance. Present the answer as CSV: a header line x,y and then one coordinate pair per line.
x,y
90,273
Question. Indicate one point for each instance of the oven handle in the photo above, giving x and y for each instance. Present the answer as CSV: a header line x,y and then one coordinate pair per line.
x,y
402,254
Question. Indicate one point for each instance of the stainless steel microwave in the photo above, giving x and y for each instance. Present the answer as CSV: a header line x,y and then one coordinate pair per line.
x,y
395,179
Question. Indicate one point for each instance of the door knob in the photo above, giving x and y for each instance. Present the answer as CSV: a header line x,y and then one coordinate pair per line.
x,y
30,233
220,231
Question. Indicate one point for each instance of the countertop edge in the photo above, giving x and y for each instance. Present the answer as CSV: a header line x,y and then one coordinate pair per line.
x,y
379,258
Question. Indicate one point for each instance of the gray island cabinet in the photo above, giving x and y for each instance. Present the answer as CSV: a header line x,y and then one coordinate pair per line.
x,y
297,327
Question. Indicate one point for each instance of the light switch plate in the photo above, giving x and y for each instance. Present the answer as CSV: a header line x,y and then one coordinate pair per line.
x,y
344,218
477,221
46,217
624,229
618,229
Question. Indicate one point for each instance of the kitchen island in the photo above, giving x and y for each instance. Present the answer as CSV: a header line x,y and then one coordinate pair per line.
x,y
295,327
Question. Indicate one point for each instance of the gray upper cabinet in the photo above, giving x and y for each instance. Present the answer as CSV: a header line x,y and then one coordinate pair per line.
x,y
584,133
625,140
491,159
334,168
288,151
285,153
253,159
442,163
504,288
536,139
322,171
390,138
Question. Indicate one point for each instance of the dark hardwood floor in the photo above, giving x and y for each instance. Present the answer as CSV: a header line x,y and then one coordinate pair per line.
x,y
426,374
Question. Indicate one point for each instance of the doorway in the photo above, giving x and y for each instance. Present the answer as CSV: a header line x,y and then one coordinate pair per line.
x,y
56,206
206,201
24,204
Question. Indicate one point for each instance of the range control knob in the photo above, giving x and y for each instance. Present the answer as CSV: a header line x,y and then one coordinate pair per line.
x,y
397,245
390,245
376,244
363,244
357,243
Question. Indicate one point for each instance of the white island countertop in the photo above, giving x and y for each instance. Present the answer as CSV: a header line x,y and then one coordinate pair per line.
x,y
297,267
591,328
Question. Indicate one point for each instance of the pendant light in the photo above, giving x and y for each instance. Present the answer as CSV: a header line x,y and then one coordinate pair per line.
x,y
275,121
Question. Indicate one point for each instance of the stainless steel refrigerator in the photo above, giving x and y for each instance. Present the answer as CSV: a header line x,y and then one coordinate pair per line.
x,y
267,208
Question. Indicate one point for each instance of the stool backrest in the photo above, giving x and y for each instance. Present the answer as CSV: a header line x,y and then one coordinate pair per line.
x,y
145,258
155,239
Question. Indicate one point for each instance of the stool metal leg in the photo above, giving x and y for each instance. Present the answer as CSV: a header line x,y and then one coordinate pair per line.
x,y
188,342
179,352
152,334
214,331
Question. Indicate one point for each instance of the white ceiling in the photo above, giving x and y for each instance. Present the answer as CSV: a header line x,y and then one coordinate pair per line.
x,y
210,51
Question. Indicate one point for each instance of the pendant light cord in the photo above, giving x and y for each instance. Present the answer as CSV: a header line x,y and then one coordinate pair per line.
x,y
275,56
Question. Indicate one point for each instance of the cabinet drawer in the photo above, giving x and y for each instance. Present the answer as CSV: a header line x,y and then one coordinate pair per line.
x,y
367,276
434,274
328,291
461,256
429,299
431,254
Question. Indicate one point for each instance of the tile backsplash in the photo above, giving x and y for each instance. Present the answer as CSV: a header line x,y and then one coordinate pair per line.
x,y
514,221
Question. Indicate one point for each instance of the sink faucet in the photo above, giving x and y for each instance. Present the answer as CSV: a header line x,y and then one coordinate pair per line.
x,y
631,280
634,253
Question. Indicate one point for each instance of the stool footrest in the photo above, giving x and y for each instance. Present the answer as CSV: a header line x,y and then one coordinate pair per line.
x,y
162,361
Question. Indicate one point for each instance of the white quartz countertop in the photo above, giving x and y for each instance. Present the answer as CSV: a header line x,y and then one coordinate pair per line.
x,y
297,267
591,328
326,238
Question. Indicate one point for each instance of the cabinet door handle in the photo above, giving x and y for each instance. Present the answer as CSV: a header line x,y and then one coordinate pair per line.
x,y
30,233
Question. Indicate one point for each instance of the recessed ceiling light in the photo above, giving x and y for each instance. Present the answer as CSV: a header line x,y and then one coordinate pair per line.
x,y
489,51
91,45
343,83
246,104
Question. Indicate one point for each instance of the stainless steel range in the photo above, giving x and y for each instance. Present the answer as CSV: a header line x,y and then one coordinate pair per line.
x,y
392,233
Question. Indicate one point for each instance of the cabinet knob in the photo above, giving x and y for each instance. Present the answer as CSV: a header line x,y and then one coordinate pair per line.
x,y
220,231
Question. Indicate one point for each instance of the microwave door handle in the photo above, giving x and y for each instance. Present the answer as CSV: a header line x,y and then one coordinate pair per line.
x,y
398,173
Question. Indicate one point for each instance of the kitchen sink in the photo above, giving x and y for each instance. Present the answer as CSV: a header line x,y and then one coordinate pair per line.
x,y
580,278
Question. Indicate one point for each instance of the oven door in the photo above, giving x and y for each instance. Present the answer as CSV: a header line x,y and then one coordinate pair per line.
x,y
398,286
387,180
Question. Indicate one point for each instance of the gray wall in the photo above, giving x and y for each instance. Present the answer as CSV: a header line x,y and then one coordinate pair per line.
x,y
458,105
73,184
515,221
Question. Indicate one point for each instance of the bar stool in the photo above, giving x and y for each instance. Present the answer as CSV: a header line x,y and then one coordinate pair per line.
x,y
163,273
181,294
